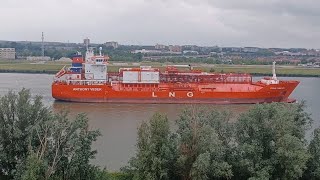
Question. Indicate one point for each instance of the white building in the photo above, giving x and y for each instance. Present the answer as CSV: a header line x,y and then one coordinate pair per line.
x,y
287,53
143,51
191,52
160,46
235,49
7,53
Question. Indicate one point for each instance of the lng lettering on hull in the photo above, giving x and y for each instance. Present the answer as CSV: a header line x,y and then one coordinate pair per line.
x,y
87,80
173,94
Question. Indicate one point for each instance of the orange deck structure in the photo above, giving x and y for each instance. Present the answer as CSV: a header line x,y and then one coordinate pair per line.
x,y
90,82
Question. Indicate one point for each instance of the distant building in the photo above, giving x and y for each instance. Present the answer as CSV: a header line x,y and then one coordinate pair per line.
x,y
313,52
160,46
250,49
287,53
235,49
7,53
113,44
38,58
144,51
226,49
213,53
191,48
175,48
216,54
190,52
86,41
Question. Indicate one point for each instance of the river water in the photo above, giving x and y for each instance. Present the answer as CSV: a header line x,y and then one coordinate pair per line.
x,y
118,123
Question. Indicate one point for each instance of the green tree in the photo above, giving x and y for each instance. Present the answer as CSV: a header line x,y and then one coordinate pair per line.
x,y
156,150
313,171
138,56
18,114
271,142
73,153
267,142
37,144
33,169
224,127
201,148
64,148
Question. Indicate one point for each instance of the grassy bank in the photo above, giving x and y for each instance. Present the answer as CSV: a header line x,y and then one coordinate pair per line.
x,y
266,70
54,67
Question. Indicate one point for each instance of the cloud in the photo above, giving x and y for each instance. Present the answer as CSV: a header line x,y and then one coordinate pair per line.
x,y
273,23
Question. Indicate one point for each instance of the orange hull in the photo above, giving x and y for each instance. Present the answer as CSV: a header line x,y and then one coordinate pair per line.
x,y
214,93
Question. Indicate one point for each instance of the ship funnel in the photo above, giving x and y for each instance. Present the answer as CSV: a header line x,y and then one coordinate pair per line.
x,y
274,75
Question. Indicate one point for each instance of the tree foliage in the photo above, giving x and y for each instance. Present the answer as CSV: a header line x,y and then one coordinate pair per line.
x,y
313,171
17,117
202,148
156,150
38,144
271,142
267,142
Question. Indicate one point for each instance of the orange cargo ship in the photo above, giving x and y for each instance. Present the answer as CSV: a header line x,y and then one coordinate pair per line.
x,y
88,81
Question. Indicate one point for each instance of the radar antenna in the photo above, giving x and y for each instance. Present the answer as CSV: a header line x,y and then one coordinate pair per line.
x,y
100,51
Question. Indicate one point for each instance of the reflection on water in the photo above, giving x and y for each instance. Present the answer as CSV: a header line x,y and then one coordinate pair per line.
x,y
136,111
118,122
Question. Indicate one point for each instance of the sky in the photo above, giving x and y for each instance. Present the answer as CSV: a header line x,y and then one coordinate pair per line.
x,y
238,23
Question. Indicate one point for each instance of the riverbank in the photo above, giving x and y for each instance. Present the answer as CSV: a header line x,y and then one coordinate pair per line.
x,y
255,70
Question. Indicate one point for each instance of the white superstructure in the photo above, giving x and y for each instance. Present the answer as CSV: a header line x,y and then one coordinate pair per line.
x,y
95,67
274,79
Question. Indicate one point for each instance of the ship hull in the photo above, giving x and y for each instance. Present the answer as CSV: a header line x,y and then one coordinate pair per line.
x,y
230,95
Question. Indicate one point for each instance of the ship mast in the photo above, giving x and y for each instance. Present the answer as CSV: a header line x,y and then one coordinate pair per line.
x,y
274,75
89,53
42,45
